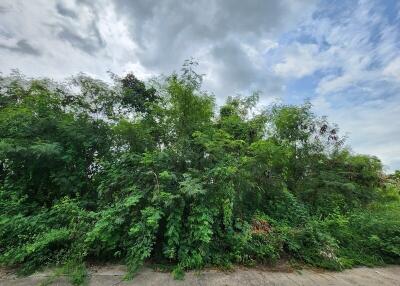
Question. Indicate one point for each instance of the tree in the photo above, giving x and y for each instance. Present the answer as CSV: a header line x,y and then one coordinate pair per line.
x,y
132,171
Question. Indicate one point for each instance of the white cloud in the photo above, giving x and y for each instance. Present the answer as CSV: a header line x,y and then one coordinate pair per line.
x,y
230,38
82,41
151,37
300,60
393,69
353,51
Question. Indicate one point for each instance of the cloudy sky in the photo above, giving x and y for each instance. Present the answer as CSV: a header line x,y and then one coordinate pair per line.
x,y
343,56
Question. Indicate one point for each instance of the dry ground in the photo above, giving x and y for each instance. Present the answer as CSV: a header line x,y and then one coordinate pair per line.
x,y
113,276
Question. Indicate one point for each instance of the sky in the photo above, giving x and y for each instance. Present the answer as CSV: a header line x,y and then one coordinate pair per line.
x,y
342,56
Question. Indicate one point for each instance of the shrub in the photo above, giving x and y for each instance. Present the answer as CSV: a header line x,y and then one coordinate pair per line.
x,y
131,172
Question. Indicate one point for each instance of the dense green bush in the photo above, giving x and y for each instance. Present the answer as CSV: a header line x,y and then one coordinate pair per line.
x,y
129,172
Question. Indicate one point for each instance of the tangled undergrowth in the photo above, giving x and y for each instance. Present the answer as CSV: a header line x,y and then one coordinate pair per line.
x,y
133,172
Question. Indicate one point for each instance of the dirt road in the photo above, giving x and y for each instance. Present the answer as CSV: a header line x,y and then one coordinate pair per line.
x,y
113,276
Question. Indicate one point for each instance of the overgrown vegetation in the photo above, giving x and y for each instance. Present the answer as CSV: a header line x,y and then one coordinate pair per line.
x,y
133,172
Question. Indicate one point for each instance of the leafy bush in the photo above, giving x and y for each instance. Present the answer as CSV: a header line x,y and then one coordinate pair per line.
x,y
134,172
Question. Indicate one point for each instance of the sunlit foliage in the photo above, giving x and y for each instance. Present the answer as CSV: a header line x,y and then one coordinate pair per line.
x,y
133,172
